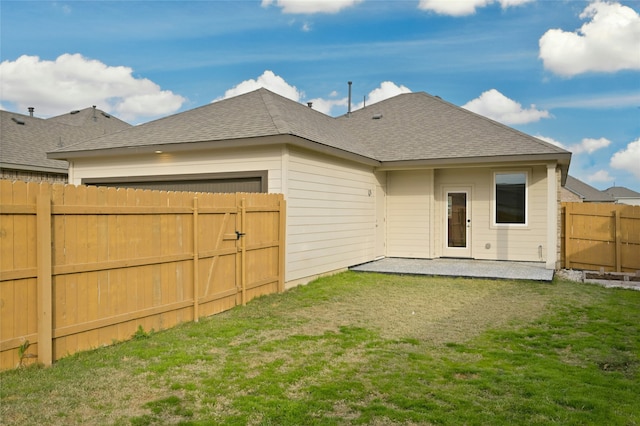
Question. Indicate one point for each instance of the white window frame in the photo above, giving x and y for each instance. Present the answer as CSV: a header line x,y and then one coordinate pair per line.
x,y
527,178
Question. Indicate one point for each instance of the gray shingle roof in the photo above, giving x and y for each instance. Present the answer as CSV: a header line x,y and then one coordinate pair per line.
x,y
418,126
622,192
414,126
587,192
25,146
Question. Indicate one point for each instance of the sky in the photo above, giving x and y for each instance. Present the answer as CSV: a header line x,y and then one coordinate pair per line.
x,y
567,72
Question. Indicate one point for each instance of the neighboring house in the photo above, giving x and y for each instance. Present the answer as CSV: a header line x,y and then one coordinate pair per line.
x,y
577,191
25,141
624,195
411,176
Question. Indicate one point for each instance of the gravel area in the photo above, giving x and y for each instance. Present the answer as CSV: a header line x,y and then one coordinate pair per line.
x,y
578,276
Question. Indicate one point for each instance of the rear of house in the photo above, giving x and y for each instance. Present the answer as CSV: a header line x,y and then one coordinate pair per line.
x,y
412,176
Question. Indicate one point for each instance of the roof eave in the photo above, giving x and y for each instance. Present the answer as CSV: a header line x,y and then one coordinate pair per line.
x,y
279,139
563,160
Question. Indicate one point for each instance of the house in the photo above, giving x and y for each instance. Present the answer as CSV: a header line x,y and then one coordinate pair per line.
x,y
576,191
25,141
624,195
411,176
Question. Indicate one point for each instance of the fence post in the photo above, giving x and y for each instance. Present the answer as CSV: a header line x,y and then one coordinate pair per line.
x,y
282,248
196,263
618,241
243,251
44,292
567,235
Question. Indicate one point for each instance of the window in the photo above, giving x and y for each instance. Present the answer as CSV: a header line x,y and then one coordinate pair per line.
x,y
511,198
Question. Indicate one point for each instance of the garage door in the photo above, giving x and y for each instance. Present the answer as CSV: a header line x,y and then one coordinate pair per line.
x,y
218,182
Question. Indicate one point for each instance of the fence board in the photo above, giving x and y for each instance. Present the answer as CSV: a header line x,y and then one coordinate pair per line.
x,y
601,235
123,258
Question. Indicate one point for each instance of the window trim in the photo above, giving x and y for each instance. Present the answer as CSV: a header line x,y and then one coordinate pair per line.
x,y
527,180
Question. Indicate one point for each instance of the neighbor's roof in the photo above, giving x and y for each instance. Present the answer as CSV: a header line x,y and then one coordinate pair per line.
x,y
407,127
587,192
25,140
622,192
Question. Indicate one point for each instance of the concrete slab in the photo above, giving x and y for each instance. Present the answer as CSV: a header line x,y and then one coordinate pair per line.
x,y
459,268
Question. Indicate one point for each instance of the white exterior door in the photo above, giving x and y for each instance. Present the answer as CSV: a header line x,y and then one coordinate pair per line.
x,y
457,226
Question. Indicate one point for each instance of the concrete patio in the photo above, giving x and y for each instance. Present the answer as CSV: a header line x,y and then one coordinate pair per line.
x,y
459,268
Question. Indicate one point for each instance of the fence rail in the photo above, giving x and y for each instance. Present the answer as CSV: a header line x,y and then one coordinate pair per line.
x,y
81,267
600,235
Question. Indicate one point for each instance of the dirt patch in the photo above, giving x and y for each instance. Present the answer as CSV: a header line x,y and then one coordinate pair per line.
x,y
453,312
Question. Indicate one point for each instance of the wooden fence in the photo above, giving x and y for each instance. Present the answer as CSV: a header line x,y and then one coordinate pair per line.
x,y
600,235
81,267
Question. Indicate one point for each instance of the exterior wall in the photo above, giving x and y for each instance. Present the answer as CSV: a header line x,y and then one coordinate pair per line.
x,y
219,161
33,176
569,197
331,218
628,201
488,241
409,213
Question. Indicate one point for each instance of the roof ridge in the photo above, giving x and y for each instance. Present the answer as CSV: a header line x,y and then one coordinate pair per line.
x,y
282,125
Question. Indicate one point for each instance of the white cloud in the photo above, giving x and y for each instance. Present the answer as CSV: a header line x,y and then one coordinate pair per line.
x,y
497,106
607,43
628,159
269,81
311,6
326,105
599,176
589,145
387,89
464,7
551,141
73,81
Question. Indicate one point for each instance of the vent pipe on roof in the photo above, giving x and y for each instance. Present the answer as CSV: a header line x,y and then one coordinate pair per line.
x,y
310,104
349,108
31,109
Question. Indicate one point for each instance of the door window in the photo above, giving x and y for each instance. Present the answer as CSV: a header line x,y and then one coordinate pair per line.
x,y
457,219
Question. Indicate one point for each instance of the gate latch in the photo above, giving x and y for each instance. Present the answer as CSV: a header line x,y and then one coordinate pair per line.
x,y
239,234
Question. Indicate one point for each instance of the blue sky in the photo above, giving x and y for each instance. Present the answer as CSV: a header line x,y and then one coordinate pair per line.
x,y
565,71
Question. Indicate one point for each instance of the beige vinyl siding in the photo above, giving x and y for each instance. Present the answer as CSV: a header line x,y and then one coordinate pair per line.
x,y
498,242
331,214
409,205
184,163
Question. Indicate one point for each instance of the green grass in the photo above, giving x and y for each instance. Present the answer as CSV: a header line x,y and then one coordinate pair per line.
x,y
362,349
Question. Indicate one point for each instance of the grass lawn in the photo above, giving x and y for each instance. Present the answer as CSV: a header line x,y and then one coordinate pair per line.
x,y
362,349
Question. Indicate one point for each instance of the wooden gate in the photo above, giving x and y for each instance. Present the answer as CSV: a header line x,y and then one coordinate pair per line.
x,y
600,235
81,267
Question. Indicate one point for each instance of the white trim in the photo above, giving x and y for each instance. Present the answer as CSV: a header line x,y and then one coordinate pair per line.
x,y
466,251
552,217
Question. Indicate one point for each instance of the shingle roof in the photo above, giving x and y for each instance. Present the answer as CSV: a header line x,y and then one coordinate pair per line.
x,y
622,192
587,192
414,126
25,140
418,126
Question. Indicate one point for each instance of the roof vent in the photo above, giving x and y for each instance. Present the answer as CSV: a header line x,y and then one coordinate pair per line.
x,y
31,109
377,117
105,114
75,111
18,121
310,104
